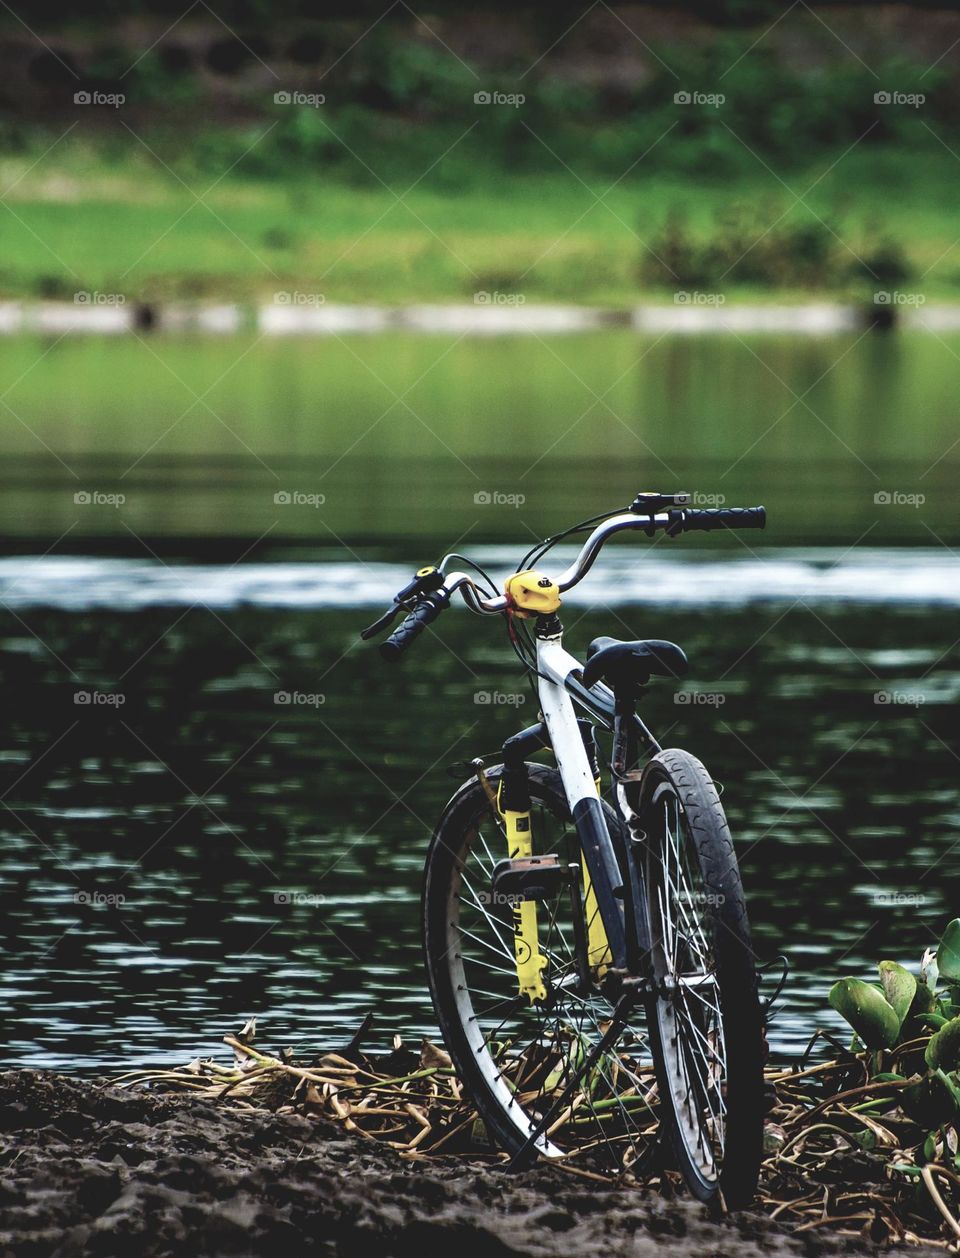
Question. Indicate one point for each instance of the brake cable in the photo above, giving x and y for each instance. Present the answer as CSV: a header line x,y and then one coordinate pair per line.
x,y
536,553
476,567
526,652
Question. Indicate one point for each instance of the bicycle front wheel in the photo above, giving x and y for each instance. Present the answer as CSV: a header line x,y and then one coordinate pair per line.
x,y
519,1060
707,1023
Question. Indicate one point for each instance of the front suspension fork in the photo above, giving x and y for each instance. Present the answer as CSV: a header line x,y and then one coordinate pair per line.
x,y
514,806
529,960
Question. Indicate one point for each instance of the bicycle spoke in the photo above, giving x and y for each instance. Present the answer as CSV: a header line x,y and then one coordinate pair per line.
x,y
539,1049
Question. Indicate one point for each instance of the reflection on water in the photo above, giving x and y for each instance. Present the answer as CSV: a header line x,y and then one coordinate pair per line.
x,y
401,434
199,851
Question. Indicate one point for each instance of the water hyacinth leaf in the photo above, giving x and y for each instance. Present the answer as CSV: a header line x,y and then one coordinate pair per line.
x,y
936,1020
948,954
899,987
867,1010
924,1002
943,1051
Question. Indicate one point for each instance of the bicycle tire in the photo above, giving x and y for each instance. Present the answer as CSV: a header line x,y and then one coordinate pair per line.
x,y
486,1079
676,783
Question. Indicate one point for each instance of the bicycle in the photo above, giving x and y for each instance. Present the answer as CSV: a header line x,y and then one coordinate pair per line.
x,y
590,963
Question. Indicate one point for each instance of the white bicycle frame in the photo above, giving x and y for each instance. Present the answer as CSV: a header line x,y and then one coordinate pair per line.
x,y
555,665
557,669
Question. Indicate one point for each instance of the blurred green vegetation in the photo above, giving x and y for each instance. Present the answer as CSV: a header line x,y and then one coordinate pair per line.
x,y
401,187
404,104
121,224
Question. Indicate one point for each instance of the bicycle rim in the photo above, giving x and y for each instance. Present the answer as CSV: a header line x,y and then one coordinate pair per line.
x,y
519,1058
688,1008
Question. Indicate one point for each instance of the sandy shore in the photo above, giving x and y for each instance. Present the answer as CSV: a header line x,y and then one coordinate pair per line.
x,y
100,1171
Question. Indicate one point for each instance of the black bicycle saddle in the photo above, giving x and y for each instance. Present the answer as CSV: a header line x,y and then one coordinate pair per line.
x,y
622,664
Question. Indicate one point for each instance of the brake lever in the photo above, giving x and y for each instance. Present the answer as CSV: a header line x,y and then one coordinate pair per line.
x,y
424,580
388,617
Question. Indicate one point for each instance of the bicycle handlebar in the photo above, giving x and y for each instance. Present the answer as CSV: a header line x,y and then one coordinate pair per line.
x,y
672,522
424,613
435,588
708,519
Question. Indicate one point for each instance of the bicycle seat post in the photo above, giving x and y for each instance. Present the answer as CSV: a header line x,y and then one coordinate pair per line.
x,y
624,743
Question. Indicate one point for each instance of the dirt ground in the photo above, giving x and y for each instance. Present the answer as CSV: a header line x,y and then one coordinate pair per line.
x,y
98,1171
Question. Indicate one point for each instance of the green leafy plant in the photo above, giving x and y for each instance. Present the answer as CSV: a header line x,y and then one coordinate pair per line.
x,y
866,1008
908,1029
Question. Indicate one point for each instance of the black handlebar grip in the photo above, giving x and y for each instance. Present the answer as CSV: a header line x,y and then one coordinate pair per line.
x,y
707,519
425,613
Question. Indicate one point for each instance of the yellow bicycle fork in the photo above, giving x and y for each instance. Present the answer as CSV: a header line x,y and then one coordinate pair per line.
x,y
530,961
599,956
528,958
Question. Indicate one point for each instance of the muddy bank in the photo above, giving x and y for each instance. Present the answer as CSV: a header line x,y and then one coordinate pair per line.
x,y
101,1172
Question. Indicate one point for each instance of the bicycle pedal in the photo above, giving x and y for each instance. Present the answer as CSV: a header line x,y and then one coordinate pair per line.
x,y
529,878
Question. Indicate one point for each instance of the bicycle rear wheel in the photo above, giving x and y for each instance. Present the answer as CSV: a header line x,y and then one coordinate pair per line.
x,y
707,1024
515,1058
